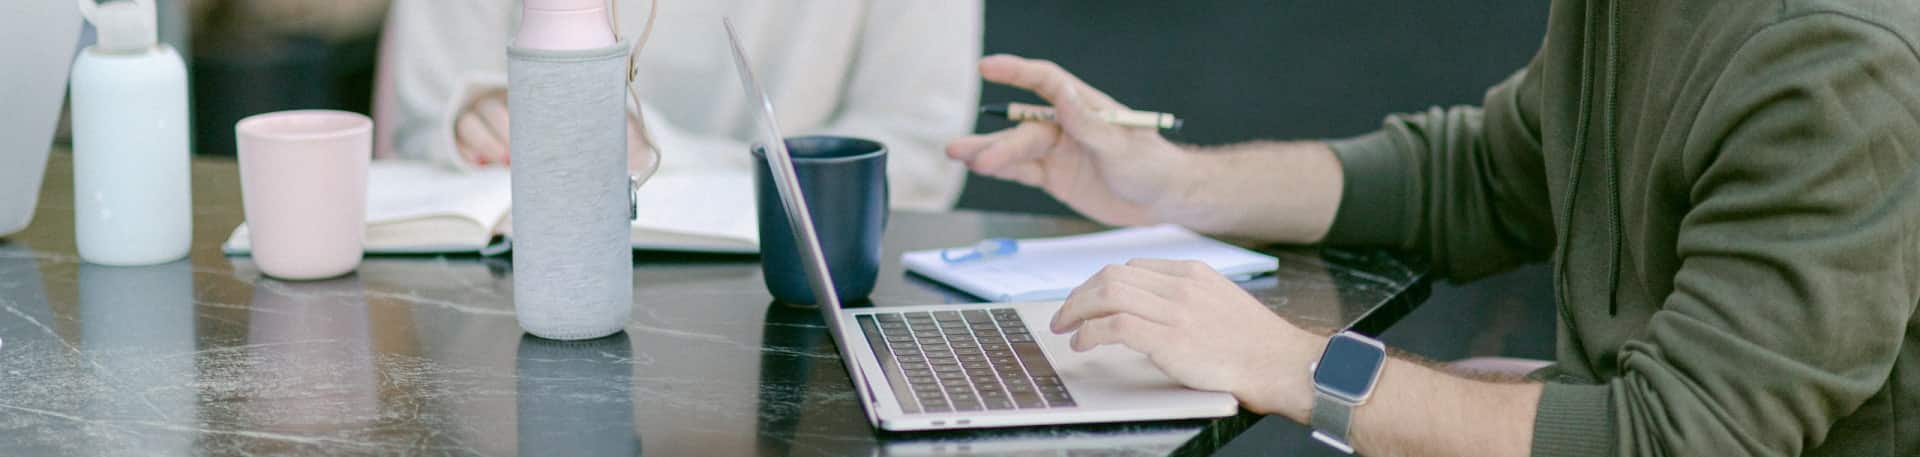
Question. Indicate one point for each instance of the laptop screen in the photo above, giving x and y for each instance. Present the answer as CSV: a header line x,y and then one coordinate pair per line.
x,y
780,164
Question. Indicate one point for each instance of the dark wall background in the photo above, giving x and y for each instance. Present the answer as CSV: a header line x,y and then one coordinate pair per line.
x,y
242,68
1242,70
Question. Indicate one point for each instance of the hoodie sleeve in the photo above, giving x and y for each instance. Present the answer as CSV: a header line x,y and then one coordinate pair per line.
x,y
1797,258
1464,186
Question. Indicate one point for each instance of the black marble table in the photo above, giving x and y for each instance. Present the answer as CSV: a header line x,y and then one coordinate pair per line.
x,y
421,355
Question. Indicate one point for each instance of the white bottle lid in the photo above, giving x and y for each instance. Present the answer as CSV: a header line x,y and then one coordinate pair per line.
x,y
122,26
566,4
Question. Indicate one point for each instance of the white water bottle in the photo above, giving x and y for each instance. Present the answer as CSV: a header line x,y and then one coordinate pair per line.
x,y
133,200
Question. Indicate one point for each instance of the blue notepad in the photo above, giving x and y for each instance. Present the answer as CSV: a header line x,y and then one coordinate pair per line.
x,y
1049,268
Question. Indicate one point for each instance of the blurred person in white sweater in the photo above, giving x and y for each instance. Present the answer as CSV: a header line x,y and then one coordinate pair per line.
x,y
901,72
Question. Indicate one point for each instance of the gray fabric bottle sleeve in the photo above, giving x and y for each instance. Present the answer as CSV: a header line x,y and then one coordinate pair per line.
x,y
572,258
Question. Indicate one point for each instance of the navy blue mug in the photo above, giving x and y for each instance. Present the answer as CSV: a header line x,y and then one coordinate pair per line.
x,y
844,181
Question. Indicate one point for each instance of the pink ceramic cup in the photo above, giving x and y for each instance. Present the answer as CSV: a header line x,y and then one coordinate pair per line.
x,y
303,182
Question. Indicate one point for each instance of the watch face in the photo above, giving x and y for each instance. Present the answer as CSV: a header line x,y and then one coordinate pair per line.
x,y
1347,368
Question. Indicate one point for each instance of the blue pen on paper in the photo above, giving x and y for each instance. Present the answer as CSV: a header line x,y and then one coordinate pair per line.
x,y
987,248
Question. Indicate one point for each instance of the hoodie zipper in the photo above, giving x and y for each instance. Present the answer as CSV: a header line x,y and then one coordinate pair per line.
x,y
1563,284
1613,157
1582,134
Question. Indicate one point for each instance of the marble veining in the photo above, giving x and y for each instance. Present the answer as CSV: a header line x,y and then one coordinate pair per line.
x,y
421,355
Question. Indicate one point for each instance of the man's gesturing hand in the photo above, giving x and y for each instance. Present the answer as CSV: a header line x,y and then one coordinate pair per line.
x,y
1196,325
1110,173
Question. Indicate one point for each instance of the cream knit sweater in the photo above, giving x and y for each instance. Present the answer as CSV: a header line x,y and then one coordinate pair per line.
x,y
897,71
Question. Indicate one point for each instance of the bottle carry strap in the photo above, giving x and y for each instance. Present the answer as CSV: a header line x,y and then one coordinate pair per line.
x,y
633,92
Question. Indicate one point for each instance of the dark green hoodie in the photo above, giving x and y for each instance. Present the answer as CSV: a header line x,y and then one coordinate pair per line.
x,y
1729,193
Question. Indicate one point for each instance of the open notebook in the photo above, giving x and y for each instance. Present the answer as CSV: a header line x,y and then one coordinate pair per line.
x,y
417,208
1049,268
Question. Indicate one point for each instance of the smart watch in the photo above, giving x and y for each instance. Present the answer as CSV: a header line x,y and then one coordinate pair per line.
x,y
1343,379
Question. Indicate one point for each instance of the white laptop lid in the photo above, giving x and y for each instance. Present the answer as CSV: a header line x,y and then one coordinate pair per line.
x,y
780,164
37,40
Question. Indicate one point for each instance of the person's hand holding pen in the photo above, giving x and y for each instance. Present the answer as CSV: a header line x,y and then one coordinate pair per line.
x,y
1116,175
1111,164
481,135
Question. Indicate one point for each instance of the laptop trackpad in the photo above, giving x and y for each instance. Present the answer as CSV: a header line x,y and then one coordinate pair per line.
x,y
1115,370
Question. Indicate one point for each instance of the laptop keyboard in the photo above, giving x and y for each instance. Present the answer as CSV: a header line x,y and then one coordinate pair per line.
x,y
971,360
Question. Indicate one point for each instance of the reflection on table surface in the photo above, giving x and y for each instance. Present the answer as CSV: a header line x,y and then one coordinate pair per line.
x,y
421,355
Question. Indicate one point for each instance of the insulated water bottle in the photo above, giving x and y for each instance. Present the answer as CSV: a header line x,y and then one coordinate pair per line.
x,y
572,261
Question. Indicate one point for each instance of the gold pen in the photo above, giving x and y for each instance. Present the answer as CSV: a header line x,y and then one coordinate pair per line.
x,y
1121,117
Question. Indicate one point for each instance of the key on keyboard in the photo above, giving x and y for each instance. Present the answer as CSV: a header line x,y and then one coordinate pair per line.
x,y
972,360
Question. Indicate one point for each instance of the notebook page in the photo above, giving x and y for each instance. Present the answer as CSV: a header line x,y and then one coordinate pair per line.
x,y
699,205
399,190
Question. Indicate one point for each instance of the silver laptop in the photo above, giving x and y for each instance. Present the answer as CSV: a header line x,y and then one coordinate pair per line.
x,y
968,366
36,41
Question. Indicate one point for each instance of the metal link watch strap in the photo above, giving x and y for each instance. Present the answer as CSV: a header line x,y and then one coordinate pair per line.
x,y
1330,420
